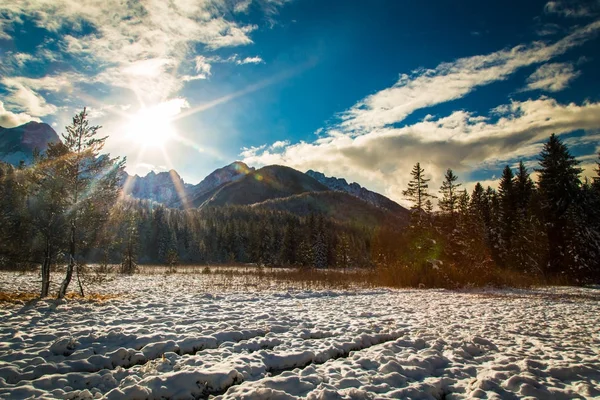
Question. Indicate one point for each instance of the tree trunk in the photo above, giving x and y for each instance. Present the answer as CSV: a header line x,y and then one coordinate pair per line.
x,y
65,284
79,281
46,270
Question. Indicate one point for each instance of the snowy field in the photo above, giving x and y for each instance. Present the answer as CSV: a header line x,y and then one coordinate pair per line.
x,y
170,337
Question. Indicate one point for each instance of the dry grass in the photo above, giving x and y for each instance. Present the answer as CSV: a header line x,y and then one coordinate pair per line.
x,y
24,297
235,278
446,276
17,297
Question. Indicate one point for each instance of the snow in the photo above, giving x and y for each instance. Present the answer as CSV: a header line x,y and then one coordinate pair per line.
x,y
171,336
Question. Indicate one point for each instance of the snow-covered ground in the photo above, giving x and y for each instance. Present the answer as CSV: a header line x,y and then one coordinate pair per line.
x,y
170,337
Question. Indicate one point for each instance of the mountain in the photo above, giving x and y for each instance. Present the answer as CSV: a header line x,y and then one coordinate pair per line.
x,y
233,172
340,184
338,205
267,183
169,188
164,187
17,144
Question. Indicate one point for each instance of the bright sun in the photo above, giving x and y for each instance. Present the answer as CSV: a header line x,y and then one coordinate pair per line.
x,y
151,126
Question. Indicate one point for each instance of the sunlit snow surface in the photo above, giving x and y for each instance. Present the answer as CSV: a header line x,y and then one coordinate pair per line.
x,y
169,338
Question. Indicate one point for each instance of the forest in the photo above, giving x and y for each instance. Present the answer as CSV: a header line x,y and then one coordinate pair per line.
x,y
67,209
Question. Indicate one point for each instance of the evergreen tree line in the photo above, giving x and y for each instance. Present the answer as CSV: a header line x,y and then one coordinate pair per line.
x,y
151,233
550,227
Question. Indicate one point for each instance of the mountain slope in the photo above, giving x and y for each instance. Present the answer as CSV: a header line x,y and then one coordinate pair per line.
x,y
340,184
338,205
271,182
201,192
17,144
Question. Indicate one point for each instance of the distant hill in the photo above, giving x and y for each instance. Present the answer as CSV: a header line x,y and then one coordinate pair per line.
x,y
340,184
267,183
338,205
17,144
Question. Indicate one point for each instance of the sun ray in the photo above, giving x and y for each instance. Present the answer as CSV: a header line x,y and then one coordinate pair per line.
x,y
205,150
176,182
249,89
130,178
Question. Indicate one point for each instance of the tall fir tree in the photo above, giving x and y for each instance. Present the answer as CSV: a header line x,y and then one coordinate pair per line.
x,y
507,215
450,196
559,188
417,192
526,246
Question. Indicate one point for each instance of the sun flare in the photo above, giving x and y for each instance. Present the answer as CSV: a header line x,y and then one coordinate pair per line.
x,y
151,127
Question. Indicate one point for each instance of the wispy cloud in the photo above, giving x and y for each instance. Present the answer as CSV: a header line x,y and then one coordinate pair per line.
x,y
573,8
552,77
250,60
449,81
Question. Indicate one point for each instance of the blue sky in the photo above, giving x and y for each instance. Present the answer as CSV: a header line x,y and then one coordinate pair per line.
x,y
355,89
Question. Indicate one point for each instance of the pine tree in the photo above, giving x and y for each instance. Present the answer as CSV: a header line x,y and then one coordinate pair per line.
x,y
525,246
507,214
130,249
478,222
289,250
429,212
92,184
14,216
478,205
417,191
523,188
559,187
449,202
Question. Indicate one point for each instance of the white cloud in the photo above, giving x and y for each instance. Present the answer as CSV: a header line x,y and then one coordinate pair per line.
x,y
142,46
573,8
10,120
453,80
250,60
242,6
202,65
552,77
26,99
280,144
24,93
382,158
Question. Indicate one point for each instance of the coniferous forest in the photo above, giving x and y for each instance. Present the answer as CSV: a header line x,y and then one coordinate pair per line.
x,y
66,209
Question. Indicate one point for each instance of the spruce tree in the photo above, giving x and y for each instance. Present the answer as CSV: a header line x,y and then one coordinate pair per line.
x,y
523,188
559,187
417,191
450,195
478,221
507,214
526,246
131,243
